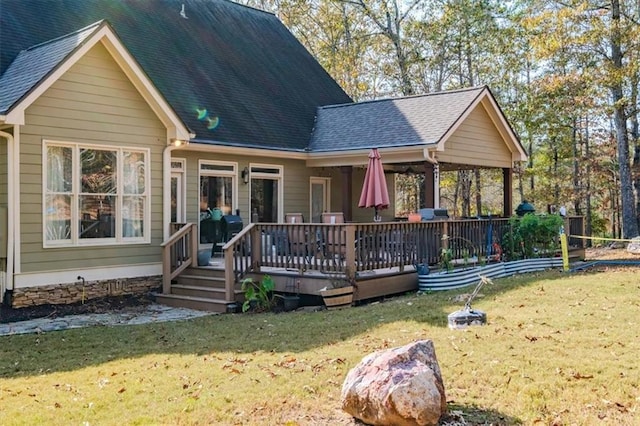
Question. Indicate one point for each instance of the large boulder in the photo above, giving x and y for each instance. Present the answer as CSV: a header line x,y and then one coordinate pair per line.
x,y
399,386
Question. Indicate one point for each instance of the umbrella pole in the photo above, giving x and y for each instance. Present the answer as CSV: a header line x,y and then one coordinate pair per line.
x,y
376,216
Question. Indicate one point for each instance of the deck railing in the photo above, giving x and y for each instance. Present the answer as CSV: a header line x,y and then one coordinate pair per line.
x,y
345,248
178,252
370,246
239,259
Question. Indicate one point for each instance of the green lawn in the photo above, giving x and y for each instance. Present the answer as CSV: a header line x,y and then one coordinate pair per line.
x,y
559,349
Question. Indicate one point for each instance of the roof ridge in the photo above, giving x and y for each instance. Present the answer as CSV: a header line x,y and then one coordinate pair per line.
x,y
423,95
246,6
53,40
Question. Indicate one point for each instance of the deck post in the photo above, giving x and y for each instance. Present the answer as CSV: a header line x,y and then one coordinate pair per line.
x,y
229,277
256,248
445,234
350,255
166,270
429,186
193,238
507,188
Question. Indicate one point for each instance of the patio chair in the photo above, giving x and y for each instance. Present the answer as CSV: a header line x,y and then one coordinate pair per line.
x,y
297,237
335,240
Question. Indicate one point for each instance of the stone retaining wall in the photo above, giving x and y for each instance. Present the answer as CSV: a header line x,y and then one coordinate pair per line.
x,y
58,294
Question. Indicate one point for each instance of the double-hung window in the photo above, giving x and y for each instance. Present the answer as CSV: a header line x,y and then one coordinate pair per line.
x,y
95,195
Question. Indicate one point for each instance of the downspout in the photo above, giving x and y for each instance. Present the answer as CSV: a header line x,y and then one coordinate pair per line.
x,y
166,184
10,215
430,156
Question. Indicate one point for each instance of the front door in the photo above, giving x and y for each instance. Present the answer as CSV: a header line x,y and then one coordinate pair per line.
x,y
266,193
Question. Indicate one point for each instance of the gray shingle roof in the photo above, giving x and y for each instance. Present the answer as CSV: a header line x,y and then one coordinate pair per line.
x,y
33,64
235,75
413,120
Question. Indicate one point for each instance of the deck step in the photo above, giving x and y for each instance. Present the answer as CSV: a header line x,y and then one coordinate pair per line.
x,y
191,302
201,280
204,292
205,272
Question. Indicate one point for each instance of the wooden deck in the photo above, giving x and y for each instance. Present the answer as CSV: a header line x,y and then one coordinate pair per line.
x,y
380,258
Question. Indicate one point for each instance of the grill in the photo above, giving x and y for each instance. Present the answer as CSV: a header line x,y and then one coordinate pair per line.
x,y
434,214
231,224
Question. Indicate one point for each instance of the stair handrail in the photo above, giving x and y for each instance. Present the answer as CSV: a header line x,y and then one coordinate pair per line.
x,y
236,270
186,236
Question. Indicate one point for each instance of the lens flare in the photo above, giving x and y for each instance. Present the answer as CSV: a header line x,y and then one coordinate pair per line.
x,y
213,123
202,113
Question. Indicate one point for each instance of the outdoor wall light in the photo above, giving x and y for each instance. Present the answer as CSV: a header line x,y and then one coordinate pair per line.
x,y
245,175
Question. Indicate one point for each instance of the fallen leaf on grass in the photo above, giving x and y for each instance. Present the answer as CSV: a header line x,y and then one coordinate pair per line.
x,y
271,374
577,375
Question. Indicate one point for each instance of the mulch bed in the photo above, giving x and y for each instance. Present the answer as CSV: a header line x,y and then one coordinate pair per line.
x,y
93,306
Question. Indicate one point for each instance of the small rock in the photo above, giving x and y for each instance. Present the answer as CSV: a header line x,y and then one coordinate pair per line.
x,y
399,386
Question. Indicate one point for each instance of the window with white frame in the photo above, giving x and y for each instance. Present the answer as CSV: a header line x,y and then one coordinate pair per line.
x,y
217,186
95,194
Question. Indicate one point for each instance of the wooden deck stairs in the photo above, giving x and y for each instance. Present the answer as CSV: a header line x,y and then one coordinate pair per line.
x,y
200,288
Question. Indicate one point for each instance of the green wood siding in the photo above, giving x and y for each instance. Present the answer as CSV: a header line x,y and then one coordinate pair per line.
x,y
92,103
477,142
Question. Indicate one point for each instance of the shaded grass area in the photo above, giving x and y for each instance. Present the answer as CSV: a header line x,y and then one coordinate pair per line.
x,y
558,349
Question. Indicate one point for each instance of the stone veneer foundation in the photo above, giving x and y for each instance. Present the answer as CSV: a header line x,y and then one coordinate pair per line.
x,y
58,294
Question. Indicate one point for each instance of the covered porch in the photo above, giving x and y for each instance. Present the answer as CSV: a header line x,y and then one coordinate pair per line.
x,y
425,135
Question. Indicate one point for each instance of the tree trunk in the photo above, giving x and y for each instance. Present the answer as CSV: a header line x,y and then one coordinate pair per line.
x,y
635,138
577,193
587,172
629,219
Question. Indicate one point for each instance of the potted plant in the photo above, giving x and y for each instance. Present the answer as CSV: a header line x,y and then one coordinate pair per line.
x,y
258,295
339,294
291,297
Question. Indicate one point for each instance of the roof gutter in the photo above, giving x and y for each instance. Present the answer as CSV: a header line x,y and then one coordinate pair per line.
x,y
10,202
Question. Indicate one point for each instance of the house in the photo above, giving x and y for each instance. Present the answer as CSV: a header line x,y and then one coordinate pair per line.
x,y
119,118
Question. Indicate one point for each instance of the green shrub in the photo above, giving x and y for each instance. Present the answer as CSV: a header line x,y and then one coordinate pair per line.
x,y
532,236
258,293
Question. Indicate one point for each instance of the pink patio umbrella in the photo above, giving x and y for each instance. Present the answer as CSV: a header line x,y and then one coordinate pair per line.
x,y
374,189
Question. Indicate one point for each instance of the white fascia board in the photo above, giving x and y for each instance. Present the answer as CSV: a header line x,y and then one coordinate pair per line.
x,y
175,127
129,66
15,116
360,157
486,100
443,140
503,126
